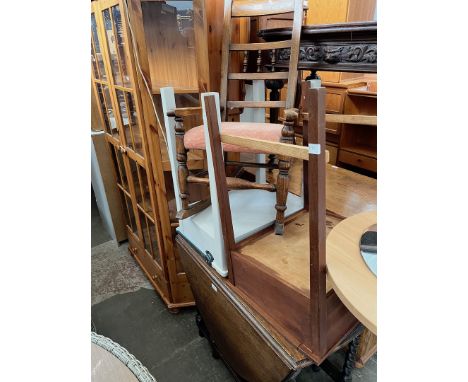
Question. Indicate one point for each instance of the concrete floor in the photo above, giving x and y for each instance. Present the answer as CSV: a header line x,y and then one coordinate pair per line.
x,y
126,309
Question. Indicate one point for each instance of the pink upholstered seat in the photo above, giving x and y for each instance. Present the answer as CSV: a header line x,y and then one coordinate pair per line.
x,y
195,138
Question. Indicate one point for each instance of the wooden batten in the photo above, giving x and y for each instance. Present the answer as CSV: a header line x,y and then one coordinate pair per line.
x,y
244,8
262,45
315,101
220,178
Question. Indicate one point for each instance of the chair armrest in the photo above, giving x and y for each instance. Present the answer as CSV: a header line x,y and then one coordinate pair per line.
x,y
279,148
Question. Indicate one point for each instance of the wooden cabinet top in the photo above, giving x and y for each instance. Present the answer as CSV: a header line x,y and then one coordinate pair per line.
x,y
345,47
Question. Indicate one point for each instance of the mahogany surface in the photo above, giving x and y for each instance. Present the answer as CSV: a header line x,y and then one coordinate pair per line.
x,y
246,341
287,256
273,273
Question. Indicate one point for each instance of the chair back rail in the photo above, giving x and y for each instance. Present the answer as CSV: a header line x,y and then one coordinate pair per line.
x,y
255,8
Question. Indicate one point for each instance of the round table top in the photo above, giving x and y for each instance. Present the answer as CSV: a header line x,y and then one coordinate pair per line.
x,y
353,282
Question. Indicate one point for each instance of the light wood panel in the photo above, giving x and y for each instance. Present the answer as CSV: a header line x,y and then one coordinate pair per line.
x,y
259,76
370,120
262,45
246,8
171,51
293,151
352,280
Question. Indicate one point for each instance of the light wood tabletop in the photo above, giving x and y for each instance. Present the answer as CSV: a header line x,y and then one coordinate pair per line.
x,y
353,282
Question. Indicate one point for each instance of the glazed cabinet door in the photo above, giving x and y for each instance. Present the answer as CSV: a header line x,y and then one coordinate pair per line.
x,y
115,85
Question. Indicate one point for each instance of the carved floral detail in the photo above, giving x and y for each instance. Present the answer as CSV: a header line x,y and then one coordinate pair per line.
x,y
362,53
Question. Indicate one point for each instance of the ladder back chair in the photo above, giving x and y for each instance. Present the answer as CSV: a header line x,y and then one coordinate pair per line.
x,y
195,139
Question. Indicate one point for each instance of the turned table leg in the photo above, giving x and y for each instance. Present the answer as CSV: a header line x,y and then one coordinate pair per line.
x,y
350,360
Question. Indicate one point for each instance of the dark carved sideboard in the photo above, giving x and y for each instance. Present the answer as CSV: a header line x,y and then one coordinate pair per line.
x,y
349,47
346,47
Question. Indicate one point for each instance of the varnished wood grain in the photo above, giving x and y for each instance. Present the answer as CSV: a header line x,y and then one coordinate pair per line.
x,y
254,349
349,193
315,104
352,280
243,8
236,183
234,104
258,76
354,119
286,149
166,46
261,45
220,179
367,348
162,273
287,256
248,8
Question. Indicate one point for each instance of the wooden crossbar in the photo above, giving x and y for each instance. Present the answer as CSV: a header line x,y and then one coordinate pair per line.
x,y
259,76
293,151
247,8
232,104
352,119
262,45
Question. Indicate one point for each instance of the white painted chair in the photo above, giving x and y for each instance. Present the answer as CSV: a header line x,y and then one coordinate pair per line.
x,y
252,210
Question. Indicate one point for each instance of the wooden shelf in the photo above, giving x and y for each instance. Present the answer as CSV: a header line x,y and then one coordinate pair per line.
x,y
368,151
369,90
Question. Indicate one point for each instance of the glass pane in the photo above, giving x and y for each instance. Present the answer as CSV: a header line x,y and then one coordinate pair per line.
x,y
97,48
138,142
146,199
104,110
118,27
111,44
121,166
145,229
124,205
125,118
154,243
94,63
131,215
116,165
136,180
110,112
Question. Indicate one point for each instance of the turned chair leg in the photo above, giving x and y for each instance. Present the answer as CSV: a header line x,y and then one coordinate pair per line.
x,y
182,170
284,163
